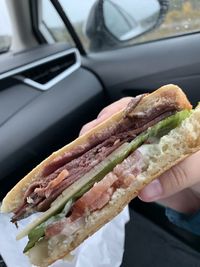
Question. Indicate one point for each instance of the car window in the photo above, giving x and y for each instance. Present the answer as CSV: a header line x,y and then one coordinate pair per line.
x,y
182,17
52,26
5,28
130,22
78,13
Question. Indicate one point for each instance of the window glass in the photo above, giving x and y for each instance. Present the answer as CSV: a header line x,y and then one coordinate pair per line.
x,y
52,24
78,12
5,28
182,17
130,21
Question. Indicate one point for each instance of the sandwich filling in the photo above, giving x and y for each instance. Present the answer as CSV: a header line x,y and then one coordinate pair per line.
x,y
117,174
63,171
100,194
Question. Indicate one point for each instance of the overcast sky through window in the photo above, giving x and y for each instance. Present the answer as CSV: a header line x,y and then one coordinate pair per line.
x,y
78,11
5,27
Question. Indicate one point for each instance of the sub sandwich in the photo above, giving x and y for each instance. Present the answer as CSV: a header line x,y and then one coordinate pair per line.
x,y
85,184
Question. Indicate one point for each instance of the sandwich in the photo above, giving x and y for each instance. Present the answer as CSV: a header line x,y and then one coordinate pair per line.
x,y
85,184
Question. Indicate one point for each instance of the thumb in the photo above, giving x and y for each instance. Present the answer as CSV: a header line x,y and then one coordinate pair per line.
x,y
184,175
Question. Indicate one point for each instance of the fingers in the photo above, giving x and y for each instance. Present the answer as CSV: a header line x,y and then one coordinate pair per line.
x,y
106,113
114,107
184,175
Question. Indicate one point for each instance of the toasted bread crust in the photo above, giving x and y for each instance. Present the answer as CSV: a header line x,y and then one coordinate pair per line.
x,y
167,93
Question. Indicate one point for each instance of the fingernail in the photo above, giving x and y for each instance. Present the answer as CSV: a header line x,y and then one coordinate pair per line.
x,y
152,191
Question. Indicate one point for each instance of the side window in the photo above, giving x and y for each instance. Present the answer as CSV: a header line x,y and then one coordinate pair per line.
x,y
52,26
5,28
182,17
111,24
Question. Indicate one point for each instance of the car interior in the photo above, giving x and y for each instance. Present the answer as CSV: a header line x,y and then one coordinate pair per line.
x,y
51,85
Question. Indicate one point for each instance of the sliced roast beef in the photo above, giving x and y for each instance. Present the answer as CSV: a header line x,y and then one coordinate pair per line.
x,y
94,141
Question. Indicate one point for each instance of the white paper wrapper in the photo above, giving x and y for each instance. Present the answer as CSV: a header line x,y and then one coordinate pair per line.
x,y
104,248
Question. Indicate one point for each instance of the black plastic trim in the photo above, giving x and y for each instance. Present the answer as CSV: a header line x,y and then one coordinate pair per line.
x,y
69,26
35,21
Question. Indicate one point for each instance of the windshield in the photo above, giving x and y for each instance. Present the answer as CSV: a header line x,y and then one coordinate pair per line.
x,y
5,28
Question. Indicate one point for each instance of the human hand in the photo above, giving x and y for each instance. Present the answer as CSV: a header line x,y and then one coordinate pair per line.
x,y
178,188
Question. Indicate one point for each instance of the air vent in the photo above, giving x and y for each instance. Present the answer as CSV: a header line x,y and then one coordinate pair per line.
x,y
51,70
44,73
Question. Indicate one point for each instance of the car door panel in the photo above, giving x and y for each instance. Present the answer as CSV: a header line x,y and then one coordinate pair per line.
x,y
145,67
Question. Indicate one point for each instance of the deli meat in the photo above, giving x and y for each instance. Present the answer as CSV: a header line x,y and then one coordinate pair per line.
x,y
64,226
94,141
122,176
46,191
95,198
